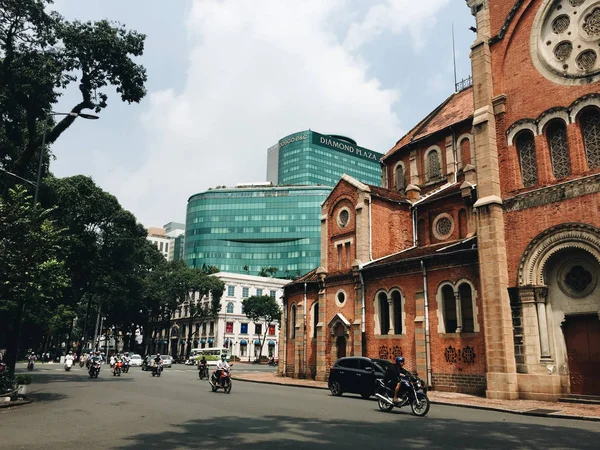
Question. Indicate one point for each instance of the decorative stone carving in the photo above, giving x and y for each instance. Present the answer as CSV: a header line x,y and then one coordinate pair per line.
x,y
443,226
551,194
576,278
565,40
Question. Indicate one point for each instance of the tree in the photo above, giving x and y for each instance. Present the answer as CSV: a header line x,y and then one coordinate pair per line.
x,y
268,272
31,273
41,55
262,309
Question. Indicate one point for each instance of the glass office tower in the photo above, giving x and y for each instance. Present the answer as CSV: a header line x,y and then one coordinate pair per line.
x,y
246,228
310,158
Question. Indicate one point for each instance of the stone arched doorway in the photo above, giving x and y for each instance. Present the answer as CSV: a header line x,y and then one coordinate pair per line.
x,y
339,328
560,295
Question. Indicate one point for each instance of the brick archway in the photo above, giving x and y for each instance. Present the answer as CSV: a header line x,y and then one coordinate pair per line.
x,y
553,240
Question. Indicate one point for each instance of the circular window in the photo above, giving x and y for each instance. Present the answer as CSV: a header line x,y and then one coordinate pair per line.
x,y
443,226
577,278
343,217
565,41
340,298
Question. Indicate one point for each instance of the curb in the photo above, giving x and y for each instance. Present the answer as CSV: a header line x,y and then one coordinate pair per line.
x,y
459,405
279,384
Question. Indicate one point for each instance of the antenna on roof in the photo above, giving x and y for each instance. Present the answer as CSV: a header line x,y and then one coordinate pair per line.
x,y
454,59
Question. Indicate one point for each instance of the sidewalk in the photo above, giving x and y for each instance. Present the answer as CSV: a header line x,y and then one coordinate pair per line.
x,y
525,407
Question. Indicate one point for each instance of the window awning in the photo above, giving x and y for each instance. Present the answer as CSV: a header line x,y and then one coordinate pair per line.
x,y
243,342
271,343
211,340
203,341
257,342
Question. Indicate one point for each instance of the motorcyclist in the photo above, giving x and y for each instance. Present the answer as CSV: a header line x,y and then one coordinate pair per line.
x,y
396,376
157,361
202,364
31,359
70,357
112,360
221,366
116,360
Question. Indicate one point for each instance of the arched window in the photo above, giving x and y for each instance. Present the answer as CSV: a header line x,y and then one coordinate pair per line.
x,y
450,319
559,149
399,178
465,151
315,318
384,313
292,324
526,150
590,128
466,308
230,308
434,165
397,307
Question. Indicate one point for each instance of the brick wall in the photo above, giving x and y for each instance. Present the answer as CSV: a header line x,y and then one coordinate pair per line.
x,y
456,382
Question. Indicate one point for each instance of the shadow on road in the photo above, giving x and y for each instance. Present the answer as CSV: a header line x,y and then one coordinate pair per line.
x,y
44,397
302,433
48,378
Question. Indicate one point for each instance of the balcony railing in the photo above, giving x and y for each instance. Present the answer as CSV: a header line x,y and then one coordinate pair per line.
x,y
464,84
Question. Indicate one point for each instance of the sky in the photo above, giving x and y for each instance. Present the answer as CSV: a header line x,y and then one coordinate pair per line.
x,y
228,78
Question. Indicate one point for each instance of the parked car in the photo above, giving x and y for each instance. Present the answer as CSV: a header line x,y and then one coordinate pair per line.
x,y
135,360
147,363
355,375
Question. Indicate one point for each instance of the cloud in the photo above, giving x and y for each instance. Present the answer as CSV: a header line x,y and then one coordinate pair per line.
x,y
258,71
395,17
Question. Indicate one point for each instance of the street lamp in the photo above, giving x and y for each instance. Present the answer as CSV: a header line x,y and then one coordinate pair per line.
x,y
52,113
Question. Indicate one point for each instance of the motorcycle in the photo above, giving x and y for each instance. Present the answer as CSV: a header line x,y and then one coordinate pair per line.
x,y
30,365
224,383
157,370
81,362
125,368
117,368
203,371
415,395
272,362
94,370
68,364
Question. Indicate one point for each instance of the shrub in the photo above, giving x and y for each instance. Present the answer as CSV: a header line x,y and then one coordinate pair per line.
x,y
23,378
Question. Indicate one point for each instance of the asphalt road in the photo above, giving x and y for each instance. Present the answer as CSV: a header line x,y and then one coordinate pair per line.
x,y
178,411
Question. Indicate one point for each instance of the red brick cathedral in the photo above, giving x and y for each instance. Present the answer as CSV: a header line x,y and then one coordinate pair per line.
x,y
479,259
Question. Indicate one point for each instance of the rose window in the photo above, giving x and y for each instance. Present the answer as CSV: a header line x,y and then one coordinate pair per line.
x,y
444,226
344,217
566,40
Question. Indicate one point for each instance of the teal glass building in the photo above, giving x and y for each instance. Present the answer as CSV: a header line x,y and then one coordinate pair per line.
x,y
311,158
244,229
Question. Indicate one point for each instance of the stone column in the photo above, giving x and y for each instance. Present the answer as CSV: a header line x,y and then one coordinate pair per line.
x,y
390,316
540,302
283,342
323,334
497,318
458,312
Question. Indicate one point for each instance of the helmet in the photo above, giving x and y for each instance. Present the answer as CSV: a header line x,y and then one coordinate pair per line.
x,y
399,360
158,355
70,353
223,357
126,353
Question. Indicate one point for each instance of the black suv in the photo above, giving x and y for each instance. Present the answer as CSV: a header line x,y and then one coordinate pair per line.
x,y
356,375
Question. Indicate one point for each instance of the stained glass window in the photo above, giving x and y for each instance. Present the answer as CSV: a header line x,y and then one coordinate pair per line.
x,y
559,149
590,127
526,148
399,178
434,166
